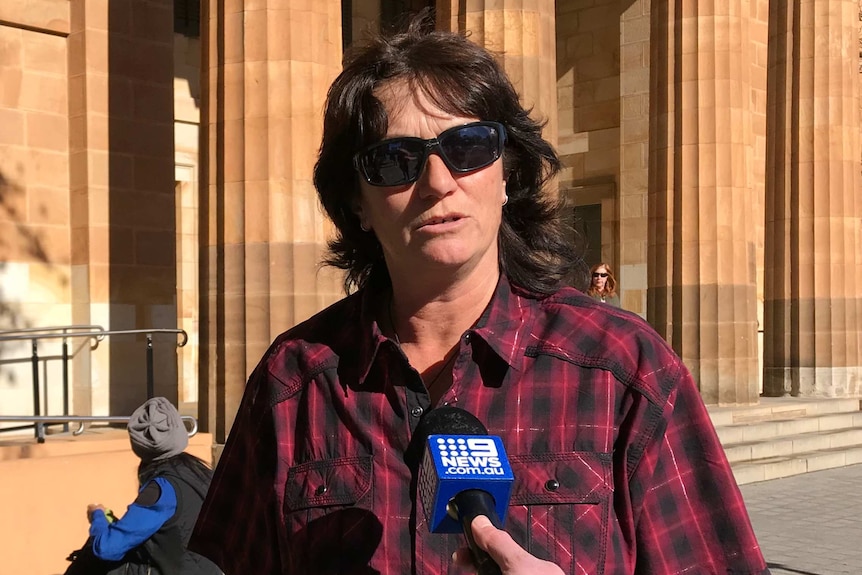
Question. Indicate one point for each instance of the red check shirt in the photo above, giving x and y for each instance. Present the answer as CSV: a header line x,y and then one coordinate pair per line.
x,y
313,477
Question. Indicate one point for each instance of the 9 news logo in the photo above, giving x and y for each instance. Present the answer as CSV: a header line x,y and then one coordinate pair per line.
x,y
469,456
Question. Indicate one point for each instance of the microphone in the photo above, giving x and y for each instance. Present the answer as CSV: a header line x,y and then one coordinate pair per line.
x,y
464,473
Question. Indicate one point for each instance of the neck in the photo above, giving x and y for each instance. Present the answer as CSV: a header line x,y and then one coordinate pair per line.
x,y
418,316
429,325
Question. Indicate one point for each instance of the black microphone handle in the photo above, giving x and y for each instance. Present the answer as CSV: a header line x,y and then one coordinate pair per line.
x,y
469,504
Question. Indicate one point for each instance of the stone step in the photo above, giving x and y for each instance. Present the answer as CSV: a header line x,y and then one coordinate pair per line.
x,y
792,445
765,430
780,408
787,436
777,467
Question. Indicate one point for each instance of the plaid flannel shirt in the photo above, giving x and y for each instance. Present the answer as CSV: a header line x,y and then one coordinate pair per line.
x,y
313,477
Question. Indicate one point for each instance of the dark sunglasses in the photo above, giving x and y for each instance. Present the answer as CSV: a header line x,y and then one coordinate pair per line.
x,y
399,161
599,275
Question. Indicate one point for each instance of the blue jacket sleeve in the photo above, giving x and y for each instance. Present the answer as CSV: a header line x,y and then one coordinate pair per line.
x,y
111,541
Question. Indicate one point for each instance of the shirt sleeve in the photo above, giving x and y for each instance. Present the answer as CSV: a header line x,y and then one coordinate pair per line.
x,y
692,516
237,527
111,541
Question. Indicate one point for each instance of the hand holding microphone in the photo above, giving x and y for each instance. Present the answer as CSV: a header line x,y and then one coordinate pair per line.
x,y
465,483
499,545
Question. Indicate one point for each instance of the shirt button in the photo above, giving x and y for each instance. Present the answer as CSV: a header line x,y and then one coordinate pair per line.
x,y
321,489
468,337
416,412
552,485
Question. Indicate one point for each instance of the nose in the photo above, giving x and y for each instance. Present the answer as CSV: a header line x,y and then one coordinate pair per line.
x,y
436,179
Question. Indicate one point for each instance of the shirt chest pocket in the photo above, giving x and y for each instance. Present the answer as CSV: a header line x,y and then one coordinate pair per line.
x,y
561,506
328,524
327,482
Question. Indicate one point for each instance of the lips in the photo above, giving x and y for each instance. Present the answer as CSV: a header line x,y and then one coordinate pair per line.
x,y
440,220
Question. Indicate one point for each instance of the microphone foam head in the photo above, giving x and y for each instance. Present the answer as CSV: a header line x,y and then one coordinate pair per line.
x,y
450,420
443,420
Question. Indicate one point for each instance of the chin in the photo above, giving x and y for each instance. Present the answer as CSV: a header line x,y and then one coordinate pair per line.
x,y
449,253
447,261
453,254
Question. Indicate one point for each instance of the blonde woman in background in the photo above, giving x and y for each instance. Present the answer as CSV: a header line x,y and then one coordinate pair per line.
x,y
603,285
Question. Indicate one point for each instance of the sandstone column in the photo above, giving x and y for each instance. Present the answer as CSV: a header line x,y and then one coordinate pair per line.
x,y
122,204
701,278
813,299
634,154
523,35
88,191
267,66
142,205
758,31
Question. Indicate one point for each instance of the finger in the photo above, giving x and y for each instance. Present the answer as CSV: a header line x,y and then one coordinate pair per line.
x,y
498,543
506,553
461,557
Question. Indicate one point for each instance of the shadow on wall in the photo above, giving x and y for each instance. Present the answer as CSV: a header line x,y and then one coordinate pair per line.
x,y
18,242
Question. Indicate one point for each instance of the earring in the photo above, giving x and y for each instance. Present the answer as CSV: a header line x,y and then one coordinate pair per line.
x,y
363,227
505,199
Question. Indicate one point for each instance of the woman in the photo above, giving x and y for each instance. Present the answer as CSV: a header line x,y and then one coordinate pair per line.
x,y
151,536
603,286
433,174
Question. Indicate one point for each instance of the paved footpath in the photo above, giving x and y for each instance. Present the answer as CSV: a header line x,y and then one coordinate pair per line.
x,y
809,524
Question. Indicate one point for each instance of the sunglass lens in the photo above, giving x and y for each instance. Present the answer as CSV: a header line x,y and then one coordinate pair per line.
x,y
599,275
470,147
393,162
399,161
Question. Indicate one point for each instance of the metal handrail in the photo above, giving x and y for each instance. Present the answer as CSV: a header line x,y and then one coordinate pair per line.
x,y
99,334
43,358
50,328
82,419
34,335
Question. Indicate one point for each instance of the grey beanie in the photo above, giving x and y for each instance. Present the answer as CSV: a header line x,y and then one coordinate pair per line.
x,y
157,431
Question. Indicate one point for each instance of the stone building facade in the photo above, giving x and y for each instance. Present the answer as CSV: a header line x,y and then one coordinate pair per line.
x,y
156,161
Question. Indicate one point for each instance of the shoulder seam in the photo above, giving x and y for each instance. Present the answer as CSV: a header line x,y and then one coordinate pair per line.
x,y
625,377
293,386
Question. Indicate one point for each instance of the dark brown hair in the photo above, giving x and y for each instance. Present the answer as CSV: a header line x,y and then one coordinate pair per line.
x,y
461,78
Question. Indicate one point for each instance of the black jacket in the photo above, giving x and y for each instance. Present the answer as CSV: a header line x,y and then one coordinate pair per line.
x,y
165,552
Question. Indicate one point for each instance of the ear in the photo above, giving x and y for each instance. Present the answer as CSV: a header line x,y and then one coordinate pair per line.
x,y
356,208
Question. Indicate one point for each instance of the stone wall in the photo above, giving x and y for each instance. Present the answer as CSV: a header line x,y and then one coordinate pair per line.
x,y
35,254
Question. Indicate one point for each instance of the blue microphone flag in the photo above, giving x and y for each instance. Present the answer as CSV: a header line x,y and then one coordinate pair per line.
x,y
455,463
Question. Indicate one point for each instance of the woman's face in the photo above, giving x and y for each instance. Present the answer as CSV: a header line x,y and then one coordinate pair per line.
x,y
600,278
444,221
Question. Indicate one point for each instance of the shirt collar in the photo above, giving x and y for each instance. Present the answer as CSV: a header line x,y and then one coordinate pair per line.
x,y
503,326
506,322
370,334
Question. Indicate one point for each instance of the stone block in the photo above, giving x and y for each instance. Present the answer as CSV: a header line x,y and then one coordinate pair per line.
x,y
47,131
820,461
749,474
768,449
41,15
785,468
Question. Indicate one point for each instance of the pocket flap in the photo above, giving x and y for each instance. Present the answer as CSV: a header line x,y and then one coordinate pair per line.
x,y
342,481
552,478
